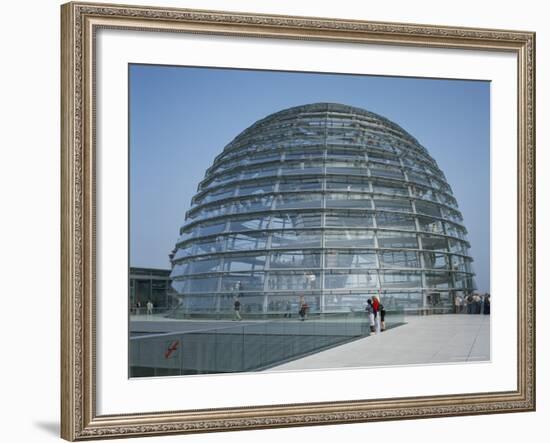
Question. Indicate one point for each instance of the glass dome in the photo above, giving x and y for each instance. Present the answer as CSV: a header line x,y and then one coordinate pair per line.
x,y
325,201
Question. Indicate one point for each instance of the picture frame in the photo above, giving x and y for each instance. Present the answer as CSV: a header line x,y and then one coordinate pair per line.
x,y
80,177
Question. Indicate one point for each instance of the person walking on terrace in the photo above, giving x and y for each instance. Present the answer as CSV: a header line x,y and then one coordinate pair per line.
x,y
237,309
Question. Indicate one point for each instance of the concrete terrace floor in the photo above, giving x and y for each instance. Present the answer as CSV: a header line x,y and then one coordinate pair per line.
x,y
449,338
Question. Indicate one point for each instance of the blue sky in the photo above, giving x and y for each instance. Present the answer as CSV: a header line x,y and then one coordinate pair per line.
x,y
181,118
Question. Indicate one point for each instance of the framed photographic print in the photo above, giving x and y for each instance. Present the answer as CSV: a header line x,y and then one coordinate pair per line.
x,y
282,221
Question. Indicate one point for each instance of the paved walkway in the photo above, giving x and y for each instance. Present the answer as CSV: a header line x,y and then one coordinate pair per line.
x,y
423,340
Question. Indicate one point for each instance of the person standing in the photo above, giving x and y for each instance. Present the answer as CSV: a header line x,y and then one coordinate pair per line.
x,y
370,313
376,308
288,308
457,303
477,304
149,307
487,305
237,309
382,314
470,304
303,308
311,281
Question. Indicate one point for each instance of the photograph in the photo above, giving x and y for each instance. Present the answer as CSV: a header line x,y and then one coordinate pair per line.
x,y
274,220
291,221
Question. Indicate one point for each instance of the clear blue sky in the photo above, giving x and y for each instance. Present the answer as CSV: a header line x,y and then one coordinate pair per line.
x,y
181,118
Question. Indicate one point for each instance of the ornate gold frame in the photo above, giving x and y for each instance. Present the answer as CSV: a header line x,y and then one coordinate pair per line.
x,y
79,420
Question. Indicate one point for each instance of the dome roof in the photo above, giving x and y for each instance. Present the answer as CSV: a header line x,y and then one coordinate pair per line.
x,y
327,201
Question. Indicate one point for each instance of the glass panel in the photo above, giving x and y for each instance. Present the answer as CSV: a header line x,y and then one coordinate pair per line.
x,y
348,184
204,265
393,300
293,239
424,193
427,208
243,281
240,242
345,154
439,280
266,171
383,157
292,221
434,260
350,279
209,246
459,263
179,270
267,156
225,178
454,230
430,225
400,280
349,221
202,284
212,228
250,302
304,167
393,204
439,298
447,199
433,243
300,185
254,204
348,201
399,259
294,259
389,188
245,263
396,240
309,154
386,171
350,259
450,214
395,220
255,188
349,239
292,281
201,303
217,194
418,178
187,234
246,224
212,211
457,246
298,201
357,167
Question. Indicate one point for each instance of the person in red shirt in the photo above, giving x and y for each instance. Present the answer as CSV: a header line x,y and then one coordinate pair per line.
x,y
376,308
375,304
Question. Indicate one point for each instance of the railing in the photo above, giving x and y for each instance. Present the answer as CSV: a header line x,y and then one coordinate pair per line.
x,y
143,311
250,346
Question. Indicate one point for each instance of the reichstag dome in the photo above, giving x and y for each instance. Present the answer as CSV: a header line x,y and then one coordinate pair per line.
x,y
327,202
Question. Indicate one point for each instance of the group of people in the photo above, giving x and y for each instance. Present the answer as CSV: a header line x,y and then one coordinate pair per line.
x,y
148,306
473,304
376,313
